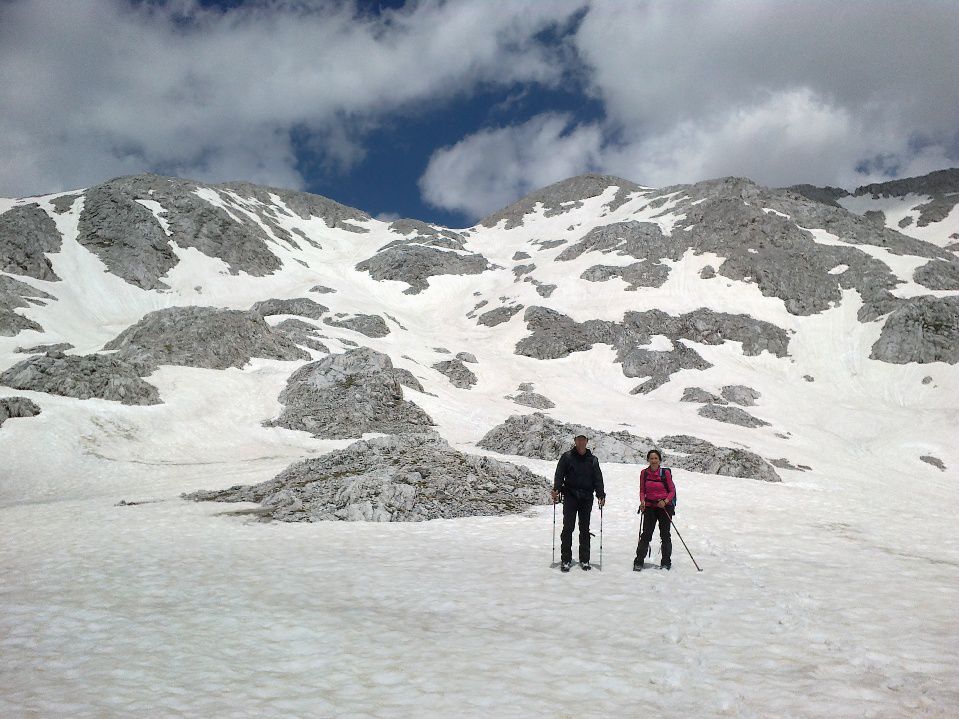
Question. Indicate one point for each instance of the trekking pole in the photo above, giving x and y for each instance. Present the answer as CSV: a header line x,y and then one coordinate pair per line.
x,y
682,540
554,531
601,537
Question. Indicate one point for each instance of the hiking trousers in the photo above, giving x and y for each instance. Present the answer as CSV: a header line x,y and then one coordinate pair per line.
x,y
574,507
651,516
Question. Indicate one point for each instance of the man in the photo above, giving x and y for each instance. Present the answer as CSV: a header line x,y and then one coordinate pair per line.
x,y
577,477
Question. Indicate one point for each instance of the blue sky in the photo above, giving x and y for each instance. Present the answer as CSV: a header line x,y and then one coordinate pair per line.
x,y
448,110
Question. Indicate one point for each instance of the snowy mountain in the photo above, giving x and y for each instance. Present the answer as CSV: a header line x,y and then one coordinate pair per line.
x,y
792,351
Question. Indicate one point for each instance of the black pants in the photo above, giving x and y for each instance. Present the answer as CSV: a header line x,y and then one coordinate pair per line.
x,y
651,516
573,506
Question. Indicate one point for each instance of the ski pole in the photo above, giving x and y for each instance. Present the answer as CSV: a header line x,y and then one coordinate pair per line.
x,y
554,531
682,540
600,536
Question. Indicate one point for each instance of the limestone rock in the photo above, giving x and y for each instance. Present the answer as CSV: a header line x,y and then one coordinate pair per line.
x,y
731,415
369,325
458,373
27,233
697,394
741,395
499,315
17,407
921,329
302,306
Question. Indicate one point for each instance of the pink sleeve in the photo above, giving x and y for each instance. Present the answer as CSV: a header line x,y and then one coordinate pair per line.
x,y
642,484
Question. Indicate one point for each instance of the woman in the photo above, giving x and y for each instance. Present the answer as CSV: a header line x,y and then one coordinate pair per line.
x,y
656,494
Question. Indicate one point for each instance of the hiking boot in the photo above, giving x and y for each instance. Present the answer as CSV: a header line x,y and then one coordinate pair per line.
x,y
666,566
565,566
585,566
638,565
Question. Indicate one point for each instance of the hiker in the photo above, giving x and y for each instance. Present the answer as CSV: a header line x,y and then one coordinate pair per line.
x,y
656,495
577,477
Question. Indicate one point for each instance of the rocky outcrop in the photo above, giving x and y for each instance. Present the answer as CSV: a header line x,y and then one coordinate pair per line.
x,y
555,335
499,315
84,377
405,478
369,325
303,204
941,186
27,233
698,394
41,349
457,373
203,337
740,394
466,357
541,437
17,407
938,275
934,461
920,329
347,395
15,294
636,275
532,399
302,333
731,415
302,306
123,232
560,197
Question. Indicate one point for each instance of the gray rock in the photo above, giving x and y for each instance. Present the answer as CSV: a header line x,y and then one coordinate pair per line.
x,y
941,186
467,357
132,244
532,399
698,455
83,377
301,306
369,325
731,415
545,290
304,205
642,240
741,395
809,378
708,272
27,233
921,329
517,256
302,333
203,337
636,275
934,461
17,407
321,289
526,387
15,294
406,478
905,221
347,395
825,195
927,380
541,437
938,275
64,203
549,244
520,270
697,394
427,231
458,373
414,264
784,463
558,198
41,349
499,315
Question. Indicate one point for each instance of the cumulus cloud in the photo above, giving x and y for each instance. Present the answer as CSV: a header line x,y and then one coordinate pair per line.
x,y
491,168
781,92
95,88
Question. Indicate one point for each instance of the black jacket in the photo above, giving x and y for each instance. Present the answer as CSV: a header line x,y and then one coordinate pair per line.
x,y
579,475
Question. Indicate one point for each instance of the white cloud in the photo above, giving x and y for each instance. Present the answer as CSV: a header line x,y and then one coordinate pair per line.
x,y
94,88
491,168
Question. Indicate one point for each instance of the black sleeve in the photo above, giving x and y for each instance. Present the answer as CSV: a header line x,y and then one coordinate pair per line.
x,y
598,480
560,473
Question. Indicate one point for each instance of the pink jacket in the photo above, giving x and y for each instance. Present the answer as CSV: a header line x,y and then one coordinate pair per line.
x,y
651,488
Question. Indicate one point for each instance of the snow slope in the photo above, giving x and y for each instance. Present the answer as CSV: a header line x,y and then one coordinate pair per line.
x,y
832,593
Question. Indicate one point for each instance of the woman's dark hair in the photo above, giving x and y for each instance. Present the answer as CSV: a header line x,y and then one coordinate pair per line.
x,y
656,452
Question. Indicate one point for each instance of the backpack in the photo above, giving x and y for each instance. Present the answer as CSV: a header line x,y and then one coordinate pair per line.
x,y
662,475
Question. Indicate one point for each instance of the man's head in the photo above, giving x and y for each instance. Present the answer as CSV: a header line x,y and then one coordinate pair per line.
x,y
580,441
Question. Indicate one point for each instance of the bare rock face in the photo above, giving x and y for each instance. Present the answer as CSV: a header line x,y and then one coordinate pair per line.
x,y
430,251
347,395
42,349
123,232
17,407
499,315
83,377
541,437
403,478
938,275
458,373
301,333
302,306
555,335
934,461
561,197
921,329
15,294
532,399
636,275
369,325
27,233
731,415
467,357
203,337
941,186
697,394
741,395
